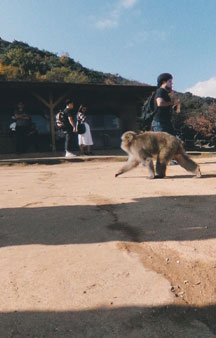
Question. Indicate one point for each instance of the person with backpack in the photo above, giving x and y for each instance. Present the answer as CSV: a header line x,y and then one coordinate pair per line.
x,y
69,127
164,103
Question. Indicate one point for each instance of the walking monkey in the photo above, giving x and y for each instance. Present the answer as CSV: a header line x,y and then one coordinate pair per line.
x,y
145,145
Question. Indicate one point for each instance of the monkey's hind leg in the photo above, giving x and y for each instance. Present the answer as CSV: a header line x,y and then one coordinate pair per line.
x,y
161,169
163,158
128,166
188,164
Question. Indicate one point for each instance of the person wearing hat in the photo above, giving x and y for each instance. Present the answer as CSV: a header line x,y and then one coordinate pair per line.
x,y
164,100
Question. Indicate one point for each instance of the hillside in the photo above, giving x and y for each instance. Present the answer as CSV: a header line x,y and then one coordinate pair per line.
x,y
21,62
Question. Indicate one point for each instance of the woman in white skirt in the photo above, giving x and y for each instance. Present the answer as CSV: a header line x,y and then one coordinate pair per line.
x,y
85,139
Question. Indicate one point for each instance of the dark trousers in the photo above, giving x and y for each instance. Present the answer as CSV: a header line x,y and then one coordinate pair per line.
x,y
161,126
33,141
21,139
69,141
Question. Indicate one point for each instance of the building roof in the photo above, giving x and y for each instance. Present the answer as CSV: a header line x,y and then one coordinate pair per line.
x,y
77,86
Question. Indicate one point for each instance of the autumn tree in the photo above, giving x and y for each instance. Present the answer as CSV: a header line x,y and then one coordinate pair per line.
x,y
204,125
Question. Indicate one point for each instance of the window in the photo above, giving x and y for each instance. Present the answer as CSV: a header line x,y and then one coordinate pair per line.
x,y
96,122
103,122
42,124
111,122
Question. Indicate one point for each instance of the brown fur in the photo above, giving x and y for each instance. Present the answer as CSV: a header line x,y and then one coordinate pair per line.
x,y
145,145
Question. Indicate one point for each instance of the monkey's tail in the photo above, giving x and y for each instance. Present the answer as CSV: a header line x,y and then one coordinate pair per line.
x,y
186,162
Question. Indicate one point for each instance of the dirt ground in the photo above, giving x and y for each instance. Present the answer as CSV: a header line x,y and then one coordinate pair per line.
x,y
86,255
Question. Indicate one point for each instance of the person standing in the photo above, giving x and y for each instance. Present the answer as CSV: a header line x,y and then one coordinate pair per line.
x,y
164,101
33,137
23,122
85,139
69,127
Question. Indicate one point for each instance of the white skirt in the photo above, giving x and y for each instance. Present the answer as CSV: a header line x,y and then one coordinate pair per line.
x,y
86,138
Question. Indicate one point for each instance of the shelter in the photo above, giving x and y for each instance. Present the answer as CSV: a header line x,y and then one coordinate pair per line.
x,y
112,109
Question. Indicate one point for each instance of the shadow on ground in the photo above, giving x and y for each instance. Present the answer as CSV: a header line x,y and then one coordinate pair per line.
x,y
177,218
129,322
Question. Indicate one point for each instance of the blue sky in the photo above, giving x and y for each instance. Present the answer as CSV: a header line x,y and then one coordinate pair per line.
x,y
138,39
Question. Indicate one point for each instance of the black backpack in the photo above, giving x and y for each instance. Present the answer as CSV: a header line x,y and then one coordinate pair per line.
x,y
61,120
147,113
81,129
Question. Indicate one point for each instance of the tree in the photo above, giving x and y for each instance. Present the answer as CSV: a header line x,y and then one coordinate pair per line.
x,y
204,125
9,72
57,74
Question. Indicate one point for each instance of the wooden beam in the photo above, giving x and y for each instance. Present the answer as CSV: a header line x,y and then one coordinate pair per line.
x,y
52,122
40,98
61,98
51,104
55,103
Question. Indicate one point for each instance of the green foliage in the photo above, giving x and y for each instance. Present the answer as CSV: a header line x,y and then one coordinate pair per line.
x,y
64,74
19,61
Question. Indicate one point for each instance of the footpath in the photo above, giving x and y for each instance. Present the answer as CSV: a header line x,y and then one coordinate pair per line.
x,y
58,157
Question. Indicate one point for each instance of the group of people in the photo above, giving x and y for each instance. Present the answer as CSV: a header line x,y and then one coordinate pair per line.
x,y
26,134
72,119
162,121
164,103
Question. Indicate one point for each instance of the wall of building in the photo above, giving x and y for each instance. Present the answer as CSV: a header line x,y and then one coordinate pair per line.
x,y
112,110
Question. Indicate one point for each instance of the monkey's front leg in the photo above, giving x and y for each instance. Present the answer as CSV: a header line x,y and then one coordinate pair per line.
x,y
128,166
150,167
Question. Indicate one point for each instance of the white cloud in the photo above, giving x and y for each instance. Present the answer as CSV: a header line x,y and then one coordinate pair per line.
x,y
107,23
113,18
139,38
142,37
128,3
204,88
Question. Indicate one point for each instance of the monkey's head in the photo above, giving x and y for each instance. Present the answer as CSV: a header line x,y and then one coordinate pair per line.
x,y
127,140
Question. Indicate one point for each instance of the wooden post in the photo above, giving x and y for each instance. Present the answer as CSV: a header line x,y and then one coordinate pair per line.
x,y
52,123
51,105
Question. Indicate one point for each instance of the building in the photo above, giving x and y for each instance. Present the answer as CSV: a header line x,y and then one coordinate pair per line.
x,y
112,109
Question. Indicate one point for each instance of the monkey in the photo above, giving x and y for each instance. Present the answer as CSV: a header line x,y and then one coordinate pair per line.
x,y
144,146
